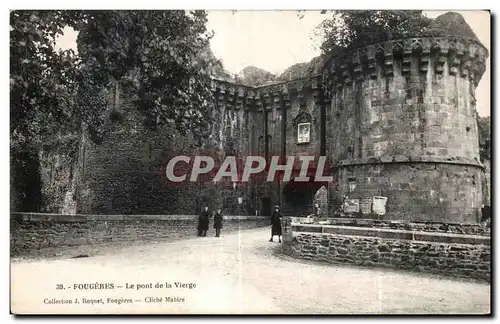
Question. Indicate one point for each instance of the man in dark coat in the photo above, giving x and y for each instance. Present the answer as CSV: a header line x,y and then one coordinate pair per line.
x,y
203,220
276,223
218,222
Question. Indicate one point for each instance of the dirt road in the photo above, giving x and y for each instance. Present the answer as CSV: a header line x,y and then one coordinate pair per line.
x,y
236,273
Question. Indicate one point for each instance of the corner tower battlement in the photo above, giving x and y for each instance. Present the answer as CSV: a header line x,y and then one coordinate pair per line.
x,y
409,57
267,97
403,126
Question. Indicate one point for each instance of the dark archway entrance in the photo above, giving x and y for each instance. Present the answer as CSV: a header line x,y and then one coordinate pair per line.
x,y
267,207
299,197
25,182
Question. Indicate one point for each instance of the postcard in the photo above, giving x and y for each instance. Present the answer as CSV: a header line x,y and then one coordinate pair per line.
x,y
277,162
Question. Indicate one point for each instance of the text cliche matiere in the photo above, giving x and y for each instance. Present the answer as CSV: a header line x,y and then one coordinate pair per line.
x,y
121,300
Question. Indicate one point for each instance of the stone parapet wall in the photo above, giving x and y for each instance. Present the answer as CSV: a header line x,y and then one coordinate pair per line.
x,y
30,231
452,255
435,227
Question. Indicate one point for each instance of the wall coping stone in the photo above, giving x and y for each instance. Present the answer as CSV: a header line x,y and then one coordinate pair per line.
x,y
412,159
81,218
391,234
370,221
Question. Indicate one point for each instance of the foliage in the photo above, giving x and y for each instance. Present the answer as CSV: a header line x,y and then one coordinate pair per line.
x,y
159,57
42,88
450,24
302,70
253,76
354,28
41,78
296,71
217,70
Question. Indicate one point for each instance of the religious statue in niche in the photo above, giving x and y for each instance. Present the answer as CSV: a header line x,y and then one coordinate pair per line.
x,y
304,133
303,124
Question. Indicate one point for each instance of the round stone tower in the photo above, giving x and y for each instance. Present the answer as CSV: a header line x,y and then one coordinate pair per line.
x,y
403,130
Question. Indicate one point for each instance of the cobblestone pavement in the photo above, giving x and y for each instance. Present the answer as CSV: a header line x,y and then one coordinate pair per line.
x,y
236,273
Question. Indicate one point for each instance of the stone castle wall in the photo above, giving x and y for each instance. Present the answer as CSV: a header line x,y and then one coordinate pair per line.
x,y
125,172
395,120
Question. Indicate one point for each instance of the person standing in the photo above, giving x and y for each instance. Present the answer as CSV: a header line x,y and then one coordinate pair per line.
x,y
276,223
218,222
203,221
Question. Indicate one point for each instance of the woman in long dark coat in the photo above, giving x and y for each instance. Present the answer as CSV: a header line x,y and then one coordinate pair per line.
x,y
276,224
218,222
203,222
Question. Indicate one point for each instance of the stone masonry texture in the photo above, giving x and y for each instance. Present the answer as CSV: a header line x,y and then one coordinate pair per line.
x,y
468,229
396,119
38,231
419,191
437,256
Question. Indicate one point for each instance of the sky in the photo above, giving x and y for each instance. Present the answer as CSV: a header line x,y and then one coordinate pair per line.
x,y
275,40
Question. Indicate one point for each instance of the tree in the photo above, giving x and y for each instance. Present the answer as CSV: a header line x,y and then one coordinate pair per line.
x,y
42,92
41,78
450,24
302,70
217,70
354,28
160,58
254,76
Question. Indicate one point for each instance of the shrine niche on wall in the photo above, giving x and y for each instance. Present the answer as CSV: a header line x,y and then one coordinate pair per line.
x,y
304,133
303,127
